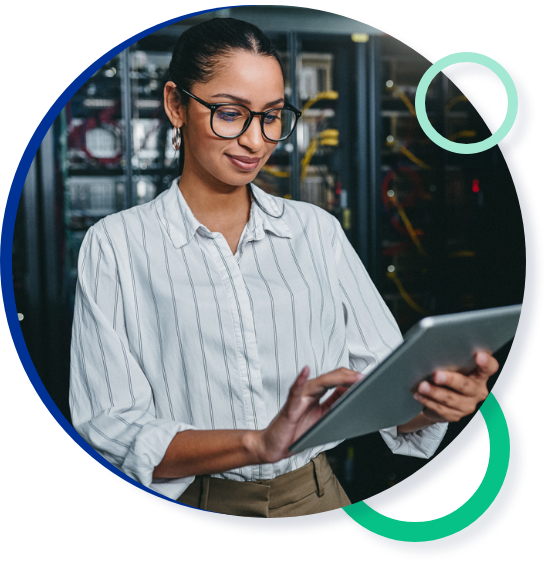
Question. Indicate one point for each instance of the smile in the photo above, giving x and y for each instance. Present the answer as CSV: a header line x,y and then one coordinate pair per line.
x,y
243,162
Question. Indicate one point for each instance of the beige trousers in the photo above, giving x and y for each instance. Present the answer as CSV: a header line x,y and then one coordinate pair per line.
x,y
310,489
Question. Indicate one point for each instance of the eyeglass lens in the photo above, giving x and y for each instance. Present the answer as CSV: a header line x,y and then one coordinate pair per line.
x,y
229,121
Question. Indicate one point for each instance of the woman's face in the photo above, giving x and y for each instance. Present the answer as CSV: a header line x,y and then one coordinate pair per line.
x,y
242,77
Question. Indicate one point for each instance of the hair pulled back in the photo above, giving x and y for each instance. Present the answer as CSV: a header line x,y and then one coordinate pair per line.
x,y
200,49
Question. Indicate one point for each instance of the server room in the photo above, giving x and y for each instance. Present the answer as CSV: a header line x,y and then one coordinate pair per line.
x,y
438,232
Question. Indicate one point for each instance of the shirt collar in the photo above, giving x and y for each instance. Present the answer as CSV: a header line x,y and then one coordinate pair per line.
x,y
181,224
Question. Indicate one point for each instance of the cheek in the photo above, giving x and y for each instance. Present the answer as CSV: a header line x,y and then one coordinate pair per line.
x,y
201,145
270,150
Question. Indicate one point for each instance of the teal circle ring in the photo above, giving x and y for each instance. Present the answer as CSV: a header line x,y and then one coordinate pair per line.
x,y
454,522
466,57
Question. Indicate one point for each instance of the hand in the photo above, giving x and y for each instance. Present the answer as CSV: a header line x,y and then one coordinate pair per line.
x,y
452,395
301,410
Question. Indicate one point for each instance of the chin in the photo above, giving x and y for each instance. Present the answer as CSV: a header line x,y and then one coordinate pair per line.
x,y
239,179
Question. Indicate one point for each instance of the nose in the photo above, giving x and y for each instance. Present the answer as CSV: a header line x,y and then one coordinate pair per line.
x,y
252,138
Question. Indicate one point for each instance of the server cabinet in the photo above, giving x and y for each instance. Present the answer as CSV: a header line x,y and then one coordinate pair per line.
x,y
439,213
437,232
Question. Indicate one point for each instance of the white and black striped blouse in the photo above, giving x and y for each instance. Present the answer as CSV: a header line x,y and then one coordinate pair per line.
x,y
173,332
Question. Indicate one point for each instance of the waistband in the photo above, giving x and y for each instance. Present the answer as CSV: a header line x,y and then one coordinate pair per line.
x,y
256,498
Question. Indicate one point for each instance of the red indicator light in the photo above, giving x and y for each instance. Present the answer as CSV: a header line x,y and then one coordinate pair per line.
x,y
476,188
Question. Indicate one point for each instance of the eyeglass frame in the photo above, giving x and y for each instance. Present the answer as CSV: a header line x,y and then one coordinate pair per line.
x,y
213,106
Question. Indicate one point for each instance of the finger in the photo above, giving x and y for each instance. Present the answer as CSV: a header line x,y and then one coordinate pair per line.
x,y
338,377
339,391
301,380
456,381
296,390
438,412
486,365
447,398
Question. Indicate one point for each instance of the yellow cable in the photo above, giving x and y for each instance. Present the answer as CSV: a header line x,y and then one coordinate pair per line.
x,y
411,156
409,228
406,101
276,172
411,108
414,159
462,254
405,295
463,134
329,137
329,134
326,95
454,101
312,147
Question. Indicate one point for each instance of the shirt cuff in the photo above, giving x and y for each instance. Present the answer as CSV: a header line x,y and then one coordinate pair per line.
x,y
422,443
149,448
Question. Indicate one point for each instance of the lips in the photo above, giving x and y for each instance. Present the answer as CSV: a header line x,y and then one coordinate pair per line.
x,y
244,163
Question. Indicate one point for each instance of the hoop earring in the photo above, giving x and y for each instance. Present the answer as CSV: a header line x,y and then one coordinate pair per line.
x,y
176,138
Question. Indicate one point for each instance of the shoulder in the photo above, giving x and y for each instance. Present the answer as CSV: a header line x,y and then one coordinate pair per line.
x,y
118,228
303,216
303,210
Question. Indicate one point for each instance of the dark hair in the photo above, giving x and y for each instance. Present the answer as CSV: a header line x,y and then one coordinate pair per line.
x,y
200,48
199,51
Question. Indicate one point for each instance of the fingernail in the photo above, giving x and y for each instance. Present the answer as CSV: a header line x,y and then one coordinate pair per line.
x,y
440,378
482,358
424,388
360,375
417,397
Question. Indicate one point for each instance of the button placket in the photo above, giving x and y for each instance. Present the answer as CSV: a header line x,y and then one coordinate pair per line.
x,y
245,337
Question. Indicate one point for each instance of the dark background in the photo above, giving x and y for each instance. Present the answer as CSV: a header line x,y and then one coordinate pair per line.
x,y
62,474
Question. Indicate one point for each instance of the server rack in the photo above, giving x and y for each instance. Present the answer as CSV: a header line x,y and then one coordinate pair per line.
x,y
358,152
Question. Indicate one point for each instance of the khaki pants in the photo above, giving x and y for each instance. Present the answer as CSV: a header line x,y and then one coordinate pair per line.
x,y
310,489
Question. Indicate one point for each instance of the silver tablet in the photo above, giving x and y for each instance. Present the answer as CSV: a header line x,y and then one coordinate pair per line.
x,y
384,398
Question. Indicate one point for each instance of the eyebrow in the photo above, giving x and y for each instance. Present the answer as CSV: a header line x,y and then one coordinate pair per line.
x,y
246,101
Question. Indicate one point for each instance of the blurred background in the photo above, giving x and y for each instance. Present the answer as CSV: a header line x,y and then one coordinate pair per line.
x,y
438,232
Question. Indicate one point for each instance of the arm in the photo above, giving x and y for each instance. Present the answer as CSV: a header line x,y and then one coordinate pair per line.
x,y
418,422
192,453
112,404
372,334
111,401
210,452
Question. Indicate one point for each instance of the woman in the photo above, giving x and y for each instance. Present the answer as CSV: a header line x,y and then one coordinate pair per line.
x,y
200,316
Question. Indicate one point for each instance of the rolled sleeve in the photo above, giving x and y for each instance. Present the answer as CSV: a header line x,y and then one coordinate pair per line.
x,y
111,401
422,443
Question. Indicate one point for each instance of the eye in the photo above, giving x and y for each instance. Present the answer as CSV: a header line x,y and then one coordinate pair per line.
x,y
272,117
228,113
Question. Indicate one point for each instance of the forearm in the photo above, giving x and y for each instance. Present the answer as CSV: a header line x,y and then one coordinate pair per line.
x,y
196,452
418,422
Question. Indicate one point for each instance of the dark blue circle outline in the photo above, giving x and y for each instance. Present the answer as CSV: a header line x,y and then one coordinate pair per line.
x,y
391,498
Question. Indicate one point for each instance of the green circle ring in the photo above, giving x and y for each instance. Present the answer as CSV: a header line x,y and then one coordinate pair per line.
x,y
454,522
466,57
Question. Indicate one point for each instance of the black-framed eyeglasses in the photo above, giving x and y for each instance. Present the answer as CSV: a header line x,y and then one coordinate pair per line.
x,y
230,120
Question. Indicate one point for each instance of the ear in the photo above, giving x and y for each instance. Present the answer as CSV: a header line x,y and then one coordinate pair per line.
x,y
174,109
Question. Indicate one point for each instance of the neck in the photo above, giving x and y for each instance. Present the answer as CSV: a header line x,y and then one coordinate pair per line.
x,y
216,205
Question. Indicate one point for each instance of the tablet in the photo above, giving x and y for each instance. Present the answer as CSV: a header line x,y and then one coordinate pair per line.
x,y
384,397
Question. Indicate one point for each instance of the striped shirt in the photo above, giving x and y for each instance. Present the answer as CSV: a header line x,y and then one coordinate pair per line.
x,y
172,331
